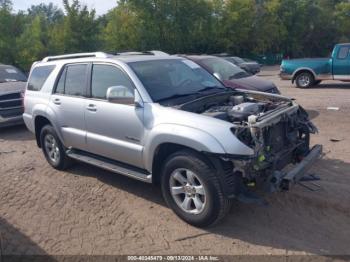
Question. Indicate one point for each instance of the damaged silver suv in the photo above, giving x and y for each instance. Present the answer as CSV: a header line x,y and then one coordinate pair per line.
x,y
167,121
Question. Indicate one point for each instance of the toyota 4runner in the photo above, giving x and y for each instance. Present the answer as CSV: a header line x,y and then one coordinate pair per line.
x,y
167,121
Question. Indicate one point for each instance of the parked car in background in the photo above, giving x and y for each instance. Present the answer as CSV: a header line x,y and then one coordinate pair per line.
x,y
311,71
247,65
12,87
232,75
166,120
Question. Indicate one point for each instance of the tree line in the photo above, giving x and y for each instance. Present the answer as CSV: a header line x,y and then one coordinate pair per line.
x,y
294,28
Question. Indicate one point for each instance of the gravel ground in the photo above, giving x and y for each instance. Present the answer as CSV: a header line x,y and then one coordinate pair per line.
x,y
89,211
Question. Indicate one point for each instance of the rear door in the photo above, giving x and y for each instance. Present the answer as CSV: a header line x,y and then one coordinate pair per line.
x,y
68,104
341,63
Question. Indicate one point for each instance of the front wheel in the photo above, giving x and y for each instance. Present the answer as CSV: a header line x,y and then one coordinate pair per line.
x,y
191,189
305,80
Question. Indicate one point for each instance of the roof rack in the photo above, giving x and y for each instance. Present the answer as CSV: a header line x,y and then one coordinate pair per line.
x,y
159,53
78,55
152,52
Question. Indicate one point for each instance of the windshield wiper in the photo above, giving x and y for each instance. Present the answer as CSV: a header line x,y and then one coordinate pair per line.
x,y
175,96
195,94
209,88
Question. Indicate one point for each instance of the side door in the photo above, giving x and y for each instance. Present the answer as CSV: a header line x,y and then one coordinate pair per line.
x,y
341,63
68,104
114,129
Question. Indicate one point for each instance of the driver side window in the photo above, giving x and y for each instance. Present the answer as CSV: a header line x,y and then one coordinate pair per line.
x,y
343,52
105,76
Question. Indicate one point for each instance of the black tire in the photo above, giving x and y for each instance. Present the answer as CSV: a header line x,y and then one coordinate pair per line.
x,y
305,80
63,161
216,204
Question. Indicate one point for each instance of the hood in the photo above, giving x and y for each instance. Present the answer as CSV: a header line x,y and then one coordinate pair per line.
x,y
252,83
12,87
219,130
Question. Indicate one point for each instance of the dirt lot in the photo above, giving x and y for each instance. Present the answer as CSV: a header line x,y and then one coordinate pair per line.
x,y
88,211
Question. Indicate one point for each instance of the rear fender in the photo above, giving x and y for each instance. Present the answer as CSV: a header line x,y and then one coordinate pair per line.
x,y
303,69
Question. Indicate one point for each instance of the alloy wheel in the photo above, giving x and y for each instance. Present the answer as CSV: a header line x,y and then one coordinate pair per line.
x,y
51,148
187,190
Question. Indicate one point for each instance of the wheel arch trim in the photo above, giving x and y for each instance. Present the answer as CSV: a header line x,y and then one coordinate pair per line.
x,y
303,69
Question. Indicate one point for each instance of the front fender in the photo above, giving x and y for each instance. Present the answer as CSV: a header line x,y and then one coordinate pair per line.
x,y
182,135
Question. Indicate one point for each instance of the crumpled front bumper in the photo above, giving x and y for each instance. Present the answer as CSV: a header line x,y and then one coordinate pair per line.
x,y
284,180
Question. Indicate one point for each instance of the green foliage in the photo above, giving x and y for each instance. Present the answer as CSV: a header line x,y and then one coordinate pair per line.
x,y
342,11
122,30
31,43
79,30
7,23
244,27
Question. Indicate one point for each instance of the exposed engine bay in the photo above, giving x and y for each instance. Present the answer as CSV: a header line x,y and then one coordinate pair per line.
x,y
275,127
237,107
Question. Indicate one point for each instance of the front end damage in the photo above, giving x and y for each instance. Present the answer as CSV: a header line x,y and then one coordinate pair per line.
x,y
276,128
281,142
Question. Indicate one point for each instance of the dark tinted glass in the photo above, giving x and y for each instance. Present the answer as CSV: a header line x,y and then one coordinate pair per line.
x,y
61,82
238,59
105,76
39,76
11,74
75,80
343,52
164,79
225,69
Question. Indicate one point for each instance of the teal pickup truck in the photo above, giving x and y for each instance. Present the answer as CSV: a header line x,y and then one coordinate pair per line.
x,y
311,71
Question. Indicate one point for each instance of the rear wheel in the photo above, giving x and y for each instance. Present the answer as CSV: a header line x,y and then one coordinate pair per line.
x,y
191,189
53,149
305,80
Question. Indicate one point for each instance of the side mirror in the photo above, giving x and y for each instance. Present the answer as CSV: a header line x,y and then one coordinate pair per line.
x,y
218,76
120,95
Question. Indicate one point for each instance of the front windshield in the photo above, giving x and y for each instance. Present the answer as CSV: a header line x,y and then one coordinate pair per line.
x,y
238,59
171,78
225,69
11,74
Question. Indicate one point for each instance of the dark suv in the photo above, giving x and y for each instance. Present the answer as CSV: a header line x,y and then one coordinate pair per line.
x,y
12,87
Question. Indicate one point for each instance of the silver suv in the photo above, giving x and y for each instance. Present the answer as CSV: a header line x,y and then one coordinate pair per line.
x,y
165,120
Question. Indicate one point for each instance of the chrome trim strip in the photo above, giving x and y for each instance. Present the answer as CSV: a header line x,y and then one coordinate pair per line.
x,y
342,77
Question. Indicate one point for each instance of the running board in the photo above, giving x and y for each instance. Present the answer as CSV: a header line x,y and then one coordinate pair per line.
x,y
110,165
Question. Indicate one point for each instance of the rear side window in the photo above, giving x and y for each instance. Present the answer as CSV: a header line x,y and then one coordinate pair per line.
x,y
38,77
72,80
343,52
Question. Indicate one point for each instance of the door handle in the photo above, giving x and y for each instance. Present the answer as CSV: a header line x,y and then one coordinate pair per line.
x,y
57,101
91,108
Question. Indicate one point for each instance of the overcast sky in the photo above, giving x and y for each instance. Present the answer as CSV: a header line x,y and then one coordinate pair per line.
x,y
101,6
